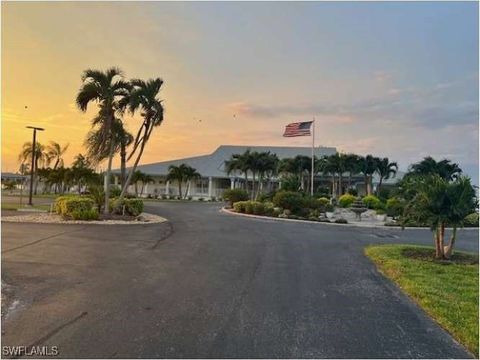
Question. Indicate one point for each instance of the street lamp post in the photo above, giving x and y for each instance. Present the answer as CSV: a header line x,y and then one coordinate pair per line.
x,y
32,169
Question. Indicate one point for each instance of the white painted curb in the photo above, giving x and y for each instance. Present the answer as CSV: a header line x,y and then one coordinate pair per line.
x,y
230,212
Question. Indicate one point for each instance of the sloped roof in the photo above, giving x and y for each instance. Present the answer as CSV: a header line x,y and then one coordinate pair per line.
x,y
213,164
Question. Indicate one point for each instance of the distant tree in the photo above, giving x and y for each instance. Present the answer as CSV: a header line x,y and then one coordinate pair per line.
x,y
55,152
385,170
41,158
368,166
177,173
190,174
429,166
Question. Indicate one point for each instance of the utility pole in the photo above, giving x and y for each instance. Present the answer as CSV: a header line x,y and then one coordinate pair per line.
x,y
32,169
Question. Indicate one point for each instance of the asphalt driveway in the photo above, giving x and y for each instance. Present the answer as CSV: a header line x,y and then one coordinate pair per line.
x,y
209,284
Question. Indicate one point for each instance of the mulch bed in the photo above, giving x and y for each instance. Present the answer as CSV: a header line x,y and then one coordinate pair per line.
x,y
429,255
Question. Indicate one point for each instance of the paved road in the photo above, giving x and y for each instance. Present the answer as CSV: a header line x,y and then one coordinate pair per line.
x,y
218,286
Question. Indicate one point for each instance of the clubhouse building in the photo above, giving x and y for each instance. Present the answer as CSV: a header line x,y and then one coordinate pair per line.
x,y
214,179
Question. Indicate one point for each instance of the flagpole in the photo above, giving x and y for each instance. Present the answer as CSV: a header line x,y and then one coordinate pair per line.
x,y
313,156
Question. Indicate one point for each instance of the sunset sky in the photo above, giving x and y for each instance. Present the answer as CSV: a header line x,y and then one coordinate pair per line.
x,y
392,79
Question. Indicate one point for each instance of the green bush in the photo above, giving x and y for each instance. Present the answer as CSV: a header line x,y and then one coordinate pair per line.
x,y
66,205
372,202
346,200
83,214
98,195
289,200
384,194
471,220
353,191
115,191
133,207
235,195
239,206
258,208
249,207
324,201
341,221
395,207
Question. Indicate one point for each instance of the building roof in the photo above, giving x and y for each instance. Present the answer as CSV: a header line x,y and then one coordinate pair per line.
x,y
213,164
12,176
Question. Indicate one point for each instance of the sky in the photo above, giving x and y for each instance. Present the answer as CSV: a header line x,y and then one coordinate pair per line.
x,y
392,79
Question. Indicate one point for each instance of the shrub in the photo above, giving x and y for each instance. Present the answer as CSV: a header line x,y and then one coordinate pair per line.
x,y
471,220
341,221
289,200
133,207
384,194
258,208
353,191
213,198
346,200
201,199
324,201
290,183
329,208
234,195
115,191
269,208
82,214
189,198
164,197
66,205
239,206
248,207
98,195
314,214
372,202
395,207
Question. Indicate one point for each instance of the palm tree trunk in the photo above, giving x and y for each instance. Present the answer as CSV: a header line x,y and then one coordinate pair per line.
x,y
379,185
123,163
180,188
340,181
136,188
448,250
137,160
106,209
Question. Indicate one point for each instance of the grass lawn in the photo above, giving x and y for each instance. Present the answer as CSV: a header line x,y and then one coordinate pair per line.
x,y
447,291
16,206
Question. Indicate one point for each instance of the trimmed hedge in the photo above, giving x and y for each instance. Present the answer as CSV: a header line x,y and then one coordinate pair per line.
x,y
133,207
289,200
395,207
346,200
235,195
372,202
471,220
77,207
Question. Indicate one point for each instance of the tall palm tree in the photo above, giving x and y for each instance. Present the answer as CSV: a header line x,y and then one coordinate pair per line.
x,y
190,174
385,169
352,165
429,166
368,166
143,97
55,152
239,162
107,89
177,173
146,179
124,139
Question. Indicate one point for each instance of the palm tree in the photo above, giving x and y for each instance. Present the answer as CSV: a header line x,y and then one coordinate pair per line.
x,y
125,139
177,173
239,162
41,158
439,203
136,178
429,166
55,152
106,89
146,179
190,174
385,169
352,165
143,97
368,166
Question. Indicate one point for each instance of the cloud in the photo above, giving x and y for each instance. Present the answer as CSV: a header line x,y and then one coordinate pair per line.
x,y
438,106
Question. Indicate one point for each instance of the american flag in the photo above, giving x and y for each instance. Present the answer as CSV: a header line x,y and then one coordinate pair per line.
x,y
298,129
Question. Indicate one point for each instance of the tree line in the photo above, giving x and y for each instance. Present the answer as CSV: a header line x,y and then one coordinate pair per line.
x,y
296,172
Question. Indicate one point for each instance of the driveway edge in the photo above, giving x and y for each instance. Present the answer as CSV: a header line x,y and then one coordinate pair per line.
x,y
230,212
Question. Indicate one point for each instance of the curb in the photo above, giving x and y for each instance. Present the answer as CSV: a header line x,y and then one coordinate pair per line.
x,y
230,212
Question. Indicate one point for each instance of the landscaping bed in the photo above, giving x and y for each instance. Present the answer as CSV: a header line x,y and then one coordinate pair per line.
x,y
446,289
111,219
